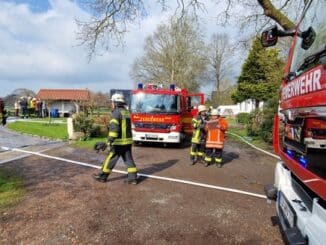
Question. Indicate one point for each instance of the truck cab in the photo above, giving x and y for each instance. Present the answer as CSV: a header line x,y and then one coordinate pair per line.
x,y
162,114
299,186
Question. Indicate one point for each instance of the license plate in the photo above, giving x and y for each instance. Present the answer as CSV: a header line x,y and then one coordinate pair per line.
x,y
151,136
286,209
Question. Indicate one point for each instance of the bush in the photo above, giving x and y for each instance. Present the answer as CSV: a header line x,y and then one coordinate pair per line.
x,y
243,118
254,123
269,111
95,131
83,123
102,122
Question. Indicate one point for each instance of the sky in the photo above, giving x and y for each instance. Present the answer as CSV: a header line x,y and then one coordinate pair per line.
x,y
39,49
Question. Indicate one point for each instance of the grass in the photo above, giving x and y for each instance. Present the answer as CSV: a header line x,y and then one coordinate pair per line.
x,y
11,190
88,144
52,131
240,130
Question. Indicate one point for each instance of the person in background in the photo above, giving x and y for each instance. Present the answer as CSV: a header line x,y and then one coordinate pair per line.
x,y
120,142
17,105
24,106
33,107
38,108
215,128
29,105
3,112
44,109
198,136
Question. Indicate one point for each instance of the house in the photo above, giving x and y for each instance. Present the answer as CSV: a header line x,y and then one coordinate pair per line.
x,y
246,106
65,101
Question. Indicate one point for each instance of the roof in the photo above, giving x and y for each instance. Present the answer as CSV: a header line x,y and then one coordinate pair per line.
x,y
63,94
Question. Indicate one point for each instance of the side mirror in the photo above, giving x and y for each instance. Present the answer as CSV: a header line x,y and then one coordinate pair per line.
x,y
308,37
269,36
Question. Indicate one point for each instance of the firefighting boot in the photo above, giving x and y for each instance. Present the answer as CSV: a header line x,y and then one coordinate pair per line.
x,y
101,177
218,162
132,182
192,160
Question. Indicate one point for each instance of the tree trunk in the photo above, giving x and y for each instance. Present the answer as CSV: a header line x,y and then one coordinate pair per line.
x,y
275,14
257,104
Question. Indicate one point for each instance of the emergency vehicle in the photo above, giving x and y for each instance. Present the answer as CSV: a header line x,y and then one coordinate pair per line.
x,y
300,130
161,114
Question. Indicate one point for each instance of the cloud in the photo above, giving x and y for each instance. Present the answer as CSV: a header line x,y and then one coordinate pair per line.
x,y
38,49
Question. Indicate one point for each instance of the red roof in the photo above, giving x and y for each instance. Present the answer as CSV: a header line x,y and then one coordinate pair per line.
x,y
63,94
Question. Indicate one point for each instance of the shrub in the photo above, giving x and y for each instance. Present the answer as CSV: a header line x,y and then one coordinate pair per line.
x,y
243,118
254,123
102,122
83,123
269,111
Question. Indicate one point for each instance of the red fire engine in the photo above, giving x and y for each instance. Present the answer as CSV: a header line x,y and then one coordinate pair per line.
x,y
300,130
161,114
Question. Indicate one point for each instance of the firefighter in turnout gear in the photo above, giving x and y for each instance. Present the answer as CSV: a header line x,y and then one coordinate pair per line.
x,y
120,141
198,136
215,127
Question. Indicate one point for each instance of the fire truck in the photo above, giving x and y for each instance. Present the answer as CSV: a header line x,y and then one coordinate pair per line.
x,y
300,130
163,115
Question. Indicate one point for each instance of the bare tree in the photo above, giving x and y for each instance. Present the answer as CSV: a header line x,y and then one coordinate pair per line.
x,y
98,100
110,18
173,54
109,22
220,52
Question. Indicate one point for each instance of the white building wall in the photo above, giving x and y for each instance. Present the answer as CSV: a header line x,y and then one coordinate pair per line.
x,y
246,106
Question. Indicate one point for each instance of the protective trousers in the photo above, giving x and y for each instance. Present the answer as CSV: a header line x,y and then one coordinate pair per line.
x,y
125,152
197,151
212,154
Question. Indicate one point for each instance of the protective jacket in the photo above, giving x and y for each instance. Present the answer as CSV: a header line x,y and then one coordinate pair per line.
x,y
198,136
216,133
120,127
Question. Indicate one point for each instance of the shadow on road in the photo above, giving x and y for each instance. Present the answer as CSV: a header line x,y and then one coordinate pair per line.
x,y
229,157
154,168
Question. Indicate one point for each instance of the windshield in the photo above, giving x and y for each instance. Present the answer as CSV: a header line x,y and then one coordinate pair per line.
x,y
155,103
315,17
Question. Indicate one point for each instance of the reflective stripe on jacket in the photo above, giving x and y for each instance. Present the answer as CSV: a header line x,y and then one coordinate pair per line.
x,y
216,135
120,127
199,133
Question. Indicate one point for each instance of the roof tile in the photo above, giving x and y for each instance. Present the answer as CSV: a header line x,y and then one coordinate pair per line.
x,y
63,94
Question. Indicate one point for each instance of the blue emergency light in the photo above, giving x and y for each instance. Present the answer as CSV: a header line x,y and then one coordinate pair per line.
x,y
140,86
172,87
303,162
290,153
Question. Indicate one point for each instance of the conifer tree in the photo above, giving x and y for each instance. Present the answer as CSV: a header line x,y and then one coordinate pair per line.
x,y
261,75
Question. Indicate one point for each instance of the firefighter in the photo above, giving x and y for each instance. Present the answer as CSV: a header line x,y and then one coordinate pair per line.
x,y
199,134
215,128
119,141
3,112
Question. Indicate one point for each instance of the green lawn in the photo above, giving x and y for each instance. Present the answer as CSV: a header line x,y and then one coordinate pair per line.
x,y
88,144
240,130
52,131
11,189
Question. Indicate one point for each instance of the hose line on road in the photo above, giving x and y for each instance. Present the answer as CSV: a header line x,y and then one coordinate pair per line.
x,y
253,146
143,175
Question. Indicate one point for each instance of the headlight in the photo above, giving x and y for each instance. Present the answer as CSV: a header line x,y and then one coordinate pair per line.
x,y
173,127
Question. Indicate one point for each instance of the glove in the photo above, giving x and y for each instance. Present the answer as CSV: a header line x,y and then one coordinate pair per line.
x,y
100,146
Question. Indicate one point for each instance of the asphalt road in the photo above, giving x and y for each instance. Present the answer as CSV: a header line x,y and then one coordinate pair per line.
x,y
64,205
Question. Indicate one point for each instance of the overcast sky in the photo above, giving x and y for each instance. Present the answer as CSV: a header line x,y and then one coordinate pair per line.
x,y
38,47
